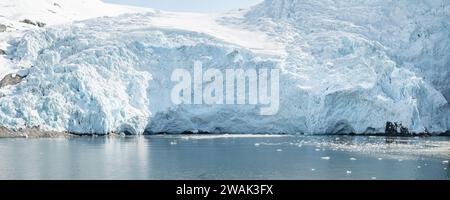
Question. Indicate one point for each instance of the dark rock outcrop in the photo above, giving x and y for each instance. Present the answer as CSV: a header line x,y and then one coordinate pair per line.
x,y
395,128
447,133
390,128
2,52
27,21
2,28
11,79
39,24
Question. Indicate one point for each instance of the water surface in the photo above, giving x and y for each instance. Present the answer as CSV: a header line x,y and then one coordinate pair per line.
x,y
225,157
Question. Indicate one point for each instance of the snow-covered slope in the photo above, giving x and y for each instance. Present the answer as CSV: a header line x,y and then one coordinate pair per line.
x,y
415,34
54,12
347,66
49,12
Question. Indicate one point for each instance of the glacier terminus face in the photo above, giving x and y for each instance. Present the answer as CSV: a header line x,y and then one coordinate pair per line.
x,y
235,91
316,67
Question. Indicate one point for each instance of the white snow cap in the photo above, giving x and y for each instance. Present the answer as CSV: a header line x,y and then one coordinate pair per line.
x,y
60,11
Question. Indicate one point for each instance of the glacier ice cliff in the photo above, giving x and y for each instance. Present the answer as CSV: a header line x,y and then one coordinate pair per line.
x,y
346,66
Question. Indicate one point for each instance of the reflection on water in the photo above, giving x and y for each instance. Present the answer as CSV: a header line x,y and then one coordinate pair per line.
x,y
226,157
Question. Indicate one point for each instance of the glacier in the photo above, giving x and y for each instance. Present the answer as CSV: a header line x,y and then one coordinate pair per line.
x,y
347,66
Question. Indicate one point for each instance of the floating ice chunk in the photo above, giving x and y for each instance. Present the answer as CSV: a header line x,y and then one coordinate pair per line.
x,y
349,172
445,162
374,178
173,143
317,149
279,150
380,158
326,158
257,144
313,169
418,167
400,160
353,159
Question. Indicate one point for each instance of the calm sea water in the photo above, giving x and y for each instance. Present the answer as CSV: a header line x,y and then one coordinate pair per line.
x,y
225,157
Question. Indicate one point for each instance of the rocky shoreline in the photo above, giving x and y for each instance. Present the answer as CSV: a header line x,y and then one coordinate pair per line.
x,y
30,133
38,133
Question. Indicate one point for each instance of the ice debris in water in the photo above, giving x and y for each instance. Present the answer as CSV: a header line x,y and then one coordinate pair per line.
x,y
349,172
326,158
353,159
